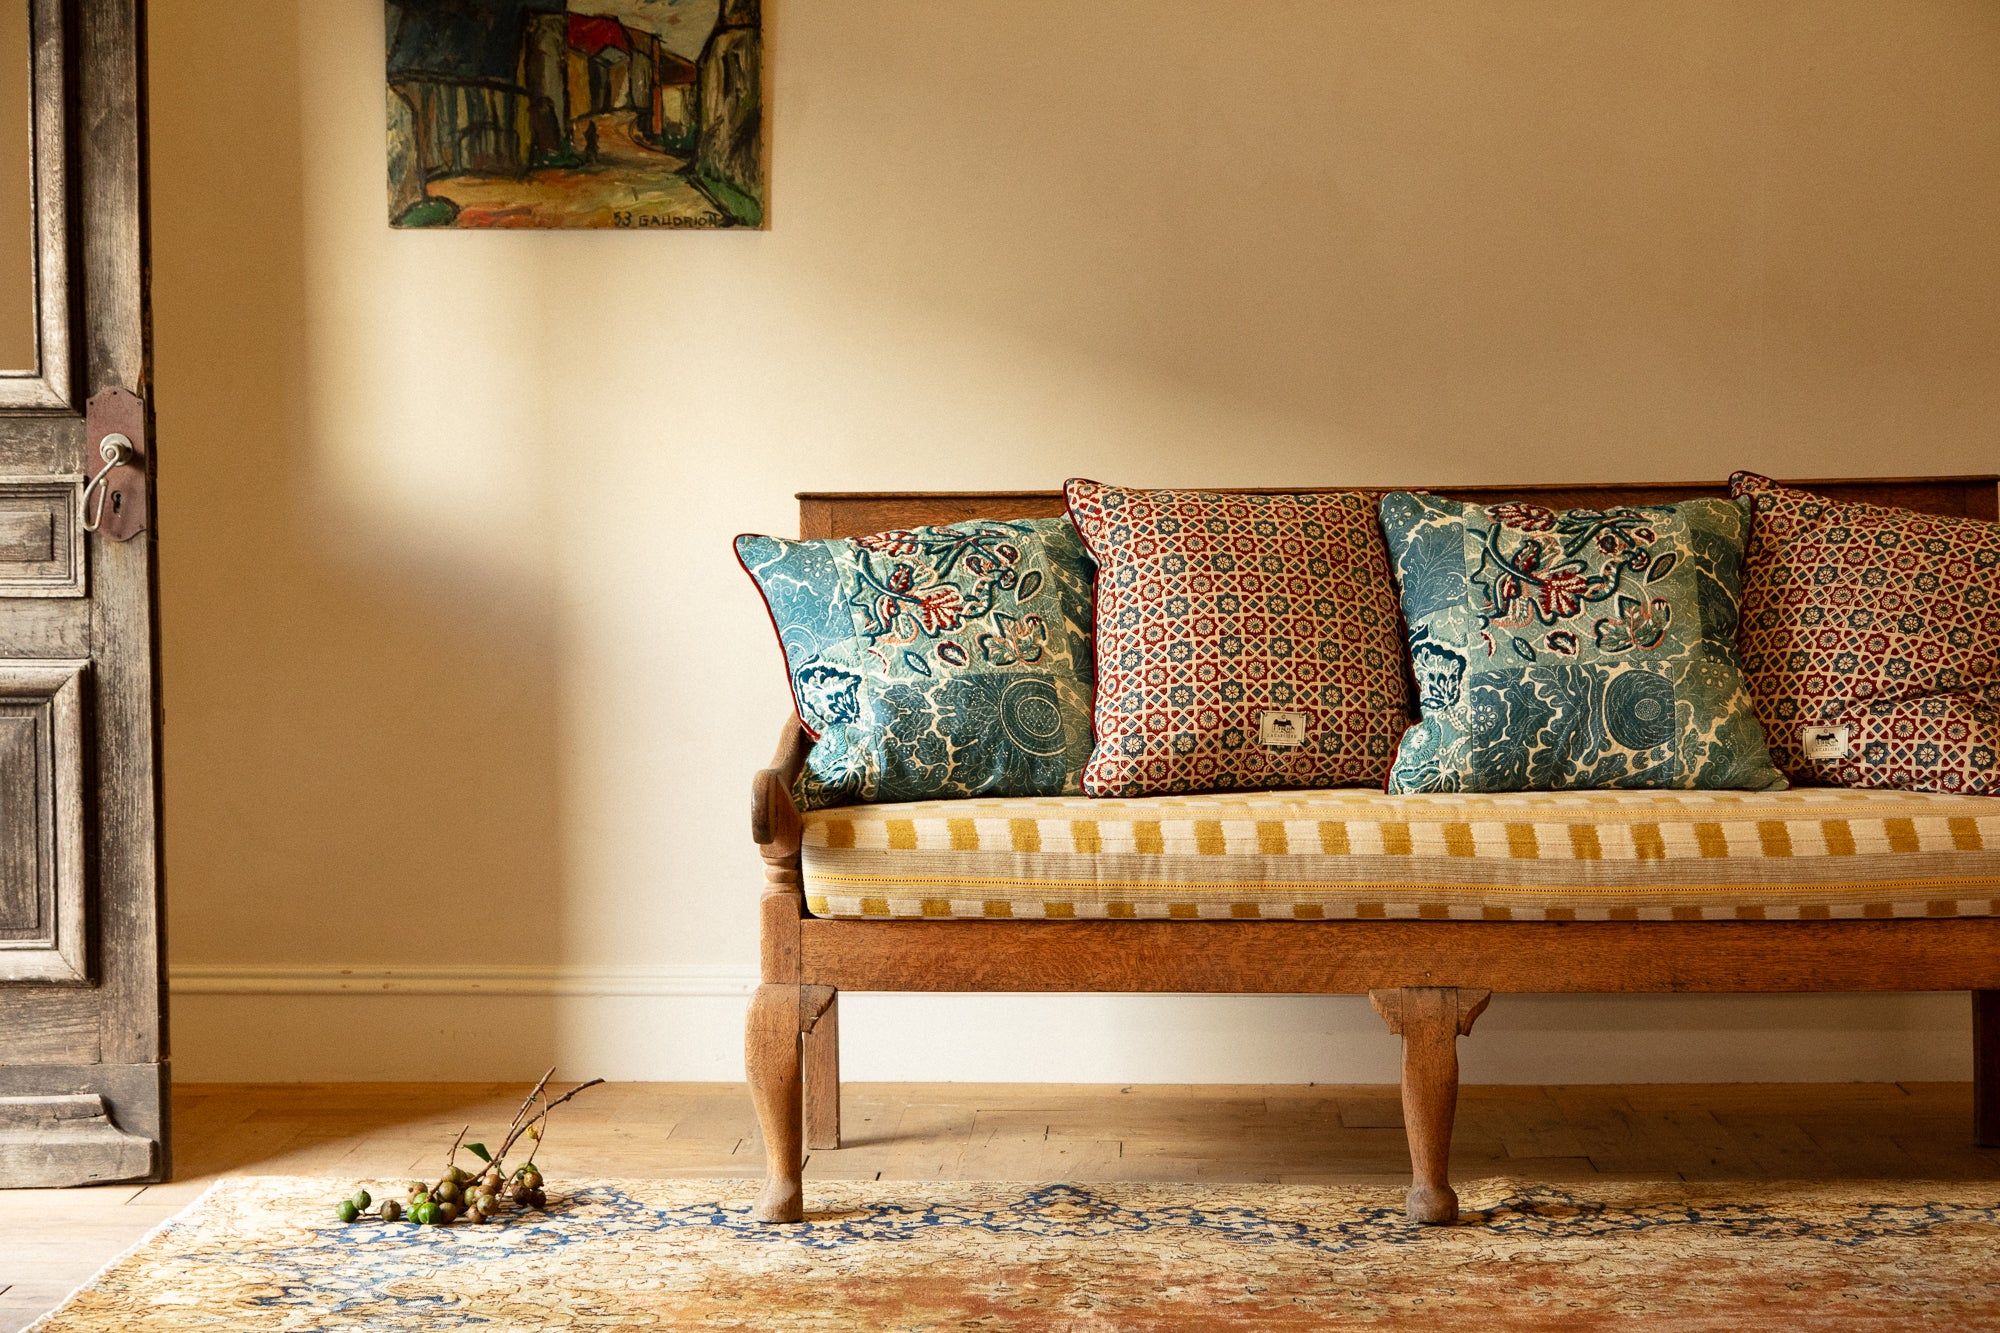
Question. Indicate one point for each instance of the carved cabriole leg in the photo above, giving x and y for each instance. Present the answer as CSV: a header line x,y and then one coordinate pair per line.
x,y
771,1059
779,1008
822,1070
1430,1020
1986,1068
771,1052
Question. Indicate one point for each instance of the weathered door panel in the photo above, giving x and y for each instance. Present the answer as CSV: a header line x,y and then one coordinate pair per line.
x,y
83,1069
43,885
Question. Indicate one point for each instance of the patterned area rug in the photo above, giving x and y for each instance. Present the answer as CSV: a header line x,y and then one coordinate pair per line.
x,y
265,1254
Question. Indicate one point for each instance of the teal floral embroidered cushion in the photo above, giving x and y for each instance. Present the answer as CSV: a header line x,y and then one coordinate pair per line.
x,y
1574,648
935,662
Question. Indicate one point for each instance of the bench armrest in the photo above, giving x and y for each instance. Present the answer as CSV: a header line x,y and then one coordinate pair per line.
x,y
774,817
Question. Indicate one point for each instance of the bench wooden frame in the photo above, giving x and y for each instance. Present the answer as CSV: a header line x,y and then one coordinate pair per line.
x,y
1428,979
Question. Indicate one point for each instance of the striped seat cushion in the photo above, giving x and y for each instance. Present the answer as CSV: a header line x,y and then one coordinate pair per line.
x,y
1528,856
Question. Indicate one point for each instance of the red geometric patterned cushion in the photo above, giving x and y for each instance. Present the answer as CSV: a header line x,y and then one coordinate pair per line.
x,y
1243,641
1871,640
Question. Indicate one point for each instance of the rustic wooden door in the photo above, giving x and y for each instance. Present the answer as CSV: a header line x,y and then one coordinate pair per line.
x,y
83,1068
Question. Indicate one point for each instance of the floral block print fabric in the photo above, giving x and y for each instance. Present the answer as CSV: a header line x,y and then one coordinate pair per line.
x,y
1243,641
1871,637
1574,648
935,662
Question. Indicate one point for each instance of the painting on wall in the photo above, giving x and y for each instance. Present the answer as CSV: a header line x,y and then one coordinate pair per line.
x,y
576,113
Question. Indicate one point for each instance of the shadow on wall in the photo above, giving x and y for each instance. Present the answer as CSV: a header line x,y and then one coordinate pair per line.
x,y
361,721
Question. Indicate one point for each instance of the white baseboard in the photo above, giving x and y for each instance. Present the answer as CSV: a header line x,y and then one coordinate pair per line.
x,y
462,979
261,1023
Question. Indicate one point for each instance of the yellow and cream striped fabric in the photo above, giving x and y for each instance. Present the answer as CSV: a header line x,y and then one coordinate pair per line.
x,y
1534,856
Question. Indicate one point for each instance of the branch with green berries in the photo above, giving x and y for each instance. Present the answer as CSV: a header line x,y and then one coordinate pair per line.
x,y
485,1194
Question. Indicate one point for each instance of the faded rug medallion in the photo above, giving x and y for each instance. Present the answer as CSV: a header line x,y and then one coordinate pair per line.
x,y
263,1254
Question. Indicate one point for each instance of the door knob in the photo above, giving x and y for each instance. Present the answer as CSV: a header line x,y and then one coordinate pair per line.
x,y
116,451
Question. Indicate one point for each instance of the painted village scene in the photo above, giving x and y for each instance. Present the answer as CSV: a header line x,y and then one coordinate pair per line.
x,y
576,113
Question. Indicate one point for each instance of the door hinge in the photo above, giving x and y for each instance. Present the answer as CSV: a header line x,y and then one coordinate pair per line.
x,y
114,459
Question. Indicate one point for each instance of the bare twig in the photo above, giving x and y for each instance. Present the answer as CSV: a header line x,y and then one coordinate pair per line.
x,y
541,1115
514,1126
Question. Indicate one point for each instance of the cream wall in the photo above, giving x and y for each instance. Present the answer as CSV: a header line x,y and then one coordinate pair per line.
x,y
463,688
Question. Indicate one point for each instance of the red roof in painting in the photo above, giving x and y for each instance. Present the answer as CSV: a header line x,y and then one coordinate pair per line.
x,y
590,34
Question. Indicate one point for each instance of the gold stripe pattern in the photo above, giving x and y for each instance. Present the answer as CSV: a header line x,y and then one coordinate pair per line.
x,y
1809,854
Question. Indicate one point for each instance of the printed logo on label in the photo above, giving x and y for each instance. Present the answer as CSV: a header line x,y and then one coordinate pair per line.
x,y
1280,730
1826,742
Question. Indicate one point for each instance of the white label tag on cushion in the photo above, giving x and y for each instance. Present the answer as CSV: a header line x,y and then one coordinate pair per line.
x,y
1826,742
1281,730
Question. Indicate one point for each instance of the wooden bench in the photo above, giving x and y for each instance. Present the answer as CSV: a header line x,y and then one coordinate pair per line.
x,y
1429,980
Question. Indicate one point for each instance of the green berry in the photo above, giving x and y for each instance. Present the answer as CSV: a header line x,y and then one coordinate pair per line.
x,y
423,1213
361,1200
532,1179
447,1190
347,1212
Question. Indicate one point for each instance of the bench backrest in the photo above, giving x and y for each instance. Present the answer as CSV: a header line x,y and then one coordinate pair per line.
x,y
859,513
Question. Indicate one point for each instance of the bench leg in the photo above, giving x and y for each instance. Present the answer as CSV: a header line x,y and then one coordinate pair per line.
x,y
1430,1020
823,1077
771,1061
1986,1068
